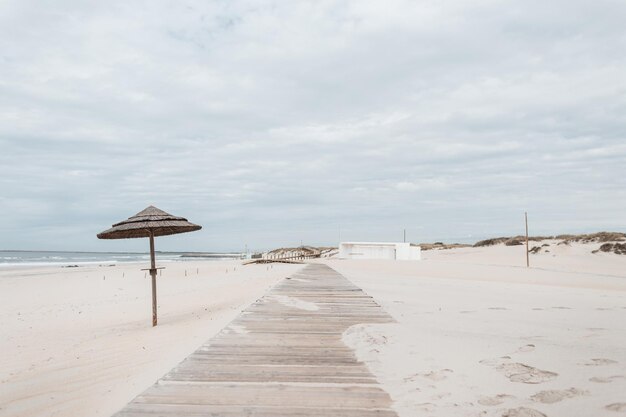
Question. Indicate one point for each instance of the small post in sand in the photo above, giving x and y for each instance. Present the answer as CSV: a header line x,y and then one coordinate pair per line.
x,y
527,258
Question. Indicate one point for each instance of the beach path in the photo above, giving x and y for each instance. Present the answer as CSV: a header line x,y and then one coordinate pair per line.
x,y
282,356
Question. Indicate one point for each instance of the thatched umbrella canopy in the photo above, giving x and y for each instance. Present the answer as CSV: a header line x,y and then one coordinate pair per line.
x,y
150,222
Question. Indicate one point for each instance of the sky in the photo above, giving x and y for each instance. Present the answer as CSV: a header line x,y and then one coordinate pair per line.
x,y
276,123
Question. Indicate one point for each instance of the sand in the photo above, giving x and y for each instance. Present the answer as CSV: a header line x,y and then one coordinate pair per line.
x,y
476,333
79,341
479,334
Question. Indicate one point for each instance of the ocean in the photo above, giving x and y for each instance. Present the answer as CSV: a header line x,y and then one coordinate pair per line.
x,y
43,258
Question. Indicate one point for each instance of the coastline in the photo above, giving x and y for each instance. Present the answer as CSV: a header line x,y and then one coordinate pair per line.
x,y
16,258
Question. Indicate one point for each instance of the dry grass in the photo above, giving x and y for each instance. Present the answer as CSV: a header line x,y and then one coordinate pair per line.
x,y
491,242
610,240
509,241
617,248
441,246
600,237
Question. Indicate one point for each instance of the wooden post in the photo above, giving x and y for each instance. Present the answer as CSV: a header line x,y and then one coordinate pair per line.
x,y
153,273
404,236
527,258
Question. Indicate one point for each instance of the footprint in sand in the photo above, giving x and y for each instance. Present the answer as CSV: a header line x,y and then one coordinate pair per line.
x,y
497,308
561,308
598,362
493,362
495,400
527,348
519,372
522,412
605,380
554,396
437,375
619,407
426,407
441,395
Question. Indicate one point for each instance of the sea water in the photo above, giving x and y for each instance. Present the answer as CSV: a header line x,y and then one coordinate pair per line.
x,y
42,258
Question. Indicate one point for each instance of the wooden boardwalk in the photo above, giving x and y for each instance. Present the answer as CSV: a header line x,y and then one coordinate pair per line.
x,y
281,357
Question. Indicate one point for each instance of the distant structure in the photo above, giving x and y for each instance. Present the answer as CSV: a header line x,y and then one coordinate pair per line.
x,y
380,250
302,252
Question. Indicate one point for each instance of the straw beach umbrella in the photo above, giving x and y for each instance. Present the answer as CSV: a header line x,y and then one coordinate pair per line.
x,y
151,222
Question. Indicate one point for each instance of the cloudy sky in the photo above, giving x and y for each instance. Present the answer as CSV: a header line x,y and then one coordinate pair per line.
x,y
275,122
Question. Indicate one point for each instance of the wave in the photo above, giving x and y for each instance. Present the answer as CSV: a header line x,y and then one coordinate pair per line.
x,y
34,258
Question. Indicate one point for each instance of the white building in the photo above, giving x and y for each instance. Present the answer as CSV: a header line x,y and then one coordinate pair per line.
x,y
379,250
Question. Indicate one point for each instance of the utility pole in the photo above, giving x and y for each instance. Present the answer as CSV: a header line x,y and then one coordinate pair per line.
x,y
527,258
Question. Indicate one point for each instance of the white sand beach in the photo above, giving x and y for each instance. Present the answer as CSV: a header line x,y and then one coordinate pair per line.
x,y
479,334
292,134
79,341
476,333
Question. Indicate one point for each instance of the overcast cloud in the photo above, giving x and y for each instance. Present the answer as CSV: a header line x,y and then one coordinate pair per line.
x,y
274,122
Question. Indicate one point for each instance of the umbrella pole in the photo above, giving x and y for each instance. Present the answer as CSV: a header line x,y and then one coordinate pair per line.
x,y
153,273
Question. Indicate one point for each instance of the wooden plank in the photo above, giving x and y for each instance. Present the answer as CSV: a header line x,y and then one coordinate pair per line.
x,y
283,356
189,410
273,395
